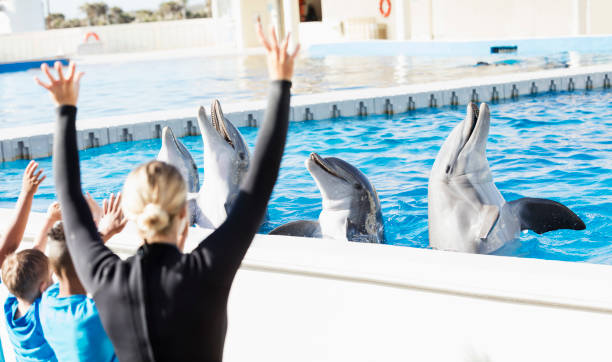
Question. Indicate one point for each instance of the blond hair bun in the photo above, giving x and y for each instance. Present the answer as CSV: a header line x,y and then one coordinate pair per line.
x,y
152,218
153,196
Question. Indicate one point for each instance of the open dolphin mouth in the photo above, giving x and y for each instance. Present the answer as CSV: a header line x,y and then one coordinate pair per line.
x,y
218,122
475,114
466,132
323,164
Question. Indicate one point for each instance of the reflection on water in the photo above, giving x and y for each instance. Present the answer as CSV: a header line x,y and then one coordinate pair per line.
x,y
142,86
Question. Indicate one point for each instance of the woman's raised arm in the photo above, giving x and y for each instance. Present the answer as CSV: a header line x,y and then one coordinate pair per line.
x,y
223,251
91,258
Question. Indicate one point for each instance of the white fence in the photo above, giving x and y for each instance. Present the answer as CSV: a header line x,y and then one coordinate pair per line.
x,y
119,38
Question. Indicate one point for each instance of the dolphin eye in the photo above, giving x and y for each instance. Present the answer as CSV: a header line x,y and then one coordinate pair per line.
x,y
448,169
241,155
357,186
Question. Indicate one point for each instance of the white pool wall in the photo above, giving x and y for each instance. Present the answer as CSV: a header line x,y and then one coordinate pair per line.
x,y
36,141
303,299
121,38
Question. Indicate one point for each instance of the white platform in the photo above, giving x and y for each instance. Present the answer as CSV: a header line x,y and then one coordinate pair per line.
x,y
305,299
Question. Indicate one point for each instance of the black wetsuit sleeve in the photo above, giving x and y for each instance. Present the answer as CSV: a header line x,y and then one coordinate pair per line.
x,y
90,257
223,250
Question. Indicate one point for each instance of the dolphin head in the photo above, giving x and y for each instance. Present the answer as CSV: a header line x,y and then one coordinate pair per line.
x,y
462,199
464,151
176,154
226,161
351,208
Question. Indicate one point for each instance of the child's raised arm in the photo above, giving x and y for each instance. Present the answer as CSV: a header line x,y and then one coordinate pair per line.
x,y
9,241
53,215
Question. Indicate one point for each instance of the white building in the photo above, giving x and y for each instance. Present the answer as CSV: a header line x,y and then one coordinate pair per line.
x,y
316,21
21,15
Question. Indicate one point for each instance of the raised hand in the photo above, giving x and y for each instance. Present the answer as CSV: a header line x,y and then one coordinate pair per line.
x,y
54,214
13,234
280,63
32,179
64,90
113,221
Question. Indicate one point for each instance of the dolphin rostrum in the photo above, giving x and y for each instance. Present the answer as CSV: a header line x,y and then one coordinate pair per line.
x,y
176,154
466,212
351,208
226,161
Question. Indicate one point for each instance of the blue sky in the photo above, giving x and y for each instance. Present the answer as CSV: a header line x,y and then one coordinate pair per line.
x,y
70,8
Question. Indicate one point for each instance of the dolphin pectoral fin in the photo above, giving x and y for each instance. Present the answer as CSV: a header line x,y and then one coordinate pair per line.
x,y
489,215
304,228
542,215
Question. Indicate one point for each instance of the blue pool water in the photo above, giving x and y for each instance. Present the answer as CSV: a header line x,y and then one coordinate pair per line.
x,y
556,147
146,85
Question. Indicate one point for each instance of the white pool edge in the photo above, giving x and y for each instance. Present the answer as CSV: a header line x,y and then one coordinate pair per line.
x,y
36,141
546,283
304,299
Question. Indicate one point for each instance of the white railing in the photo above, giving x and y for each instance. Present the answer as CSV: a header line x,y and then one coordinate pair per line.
x,y
135,37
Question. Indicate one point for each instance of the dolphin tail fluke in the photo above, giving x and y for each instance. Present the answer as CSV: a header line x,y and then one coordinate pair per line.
x,y
303,228
542,215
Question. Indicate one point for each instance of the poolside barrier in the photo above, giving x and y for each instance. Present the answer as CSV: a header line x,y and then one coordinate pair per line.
x,y
36,141
304,299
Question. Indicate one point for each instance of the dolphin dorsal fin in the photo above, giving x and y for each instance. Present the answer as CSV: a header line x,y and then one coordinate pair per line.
x,y
542,215
488,216
304,228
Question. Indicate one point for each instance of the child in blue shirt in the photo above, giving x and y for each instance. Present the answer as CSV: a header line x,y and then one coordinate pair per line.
x,y
69,317
26,275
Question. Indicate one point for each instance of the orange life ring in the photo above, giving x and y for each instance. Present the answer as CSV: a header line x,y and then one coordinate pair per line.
x,y
381,7
91,34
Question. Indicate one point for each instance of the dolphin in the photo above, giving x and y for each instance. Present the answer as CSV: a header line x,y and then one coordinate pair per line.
x,y
226,161
351,208
176,154
466,211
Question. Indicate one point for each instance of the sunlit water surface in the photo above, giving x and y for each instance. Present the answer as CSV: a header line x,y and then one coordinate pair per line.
x,y
132,86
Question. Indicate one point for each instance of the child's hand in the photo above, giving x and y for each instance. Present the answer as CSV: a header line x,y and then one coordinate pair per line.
x,y
280,63
64,91
113,220
32,179
54,214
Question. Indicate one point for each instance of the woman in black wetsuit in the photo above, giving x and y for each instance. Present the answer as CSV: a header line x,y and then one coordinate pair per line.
x,y
161,304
